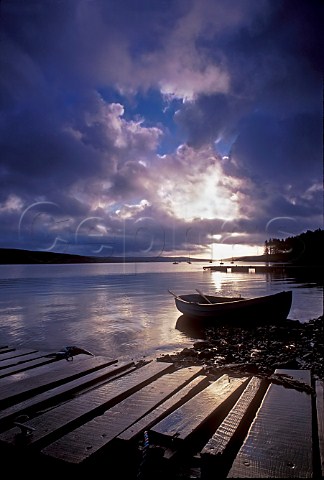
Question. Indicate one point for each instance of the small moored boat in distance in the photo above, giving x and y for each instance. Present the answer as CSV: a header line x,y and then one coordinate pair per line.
x,y
235,309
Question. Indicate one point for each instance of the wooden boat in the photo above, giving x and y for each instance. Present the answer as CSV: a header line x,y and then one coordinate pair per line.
x,y
270,307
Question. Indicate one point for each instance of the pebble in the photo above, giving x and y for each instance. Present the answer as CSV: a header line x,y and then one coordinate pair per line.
x,y
259,350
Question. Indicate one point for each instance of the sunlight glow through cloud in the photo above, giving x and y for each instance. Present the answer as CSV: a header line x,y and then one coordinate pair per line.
x,y
195,115
221,251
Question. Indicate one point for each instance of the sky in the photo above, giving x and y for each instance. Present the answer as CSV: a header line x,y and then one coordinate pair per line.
x,y
160,127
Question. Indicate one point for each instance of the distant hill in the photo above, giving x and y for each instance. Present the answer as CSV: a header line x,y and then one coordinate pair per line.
x,y
11,256
17,256
280,257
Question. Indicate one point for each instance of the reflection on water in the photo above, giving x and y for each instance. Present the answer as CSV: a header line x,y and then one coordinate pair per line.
x,y
190,327
124,310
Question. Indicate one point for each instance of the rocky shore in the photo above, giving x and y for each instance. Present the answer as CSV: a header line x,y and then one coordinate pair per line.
x,y
257,350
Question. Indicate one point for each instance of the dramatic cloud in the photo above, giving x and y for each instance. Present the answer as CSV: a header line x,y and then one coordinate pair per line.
x,y
159,126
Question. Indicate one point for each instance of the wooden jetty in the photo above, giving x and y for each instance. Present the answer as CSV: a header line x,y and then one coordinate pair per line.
x,y
278,268
63,414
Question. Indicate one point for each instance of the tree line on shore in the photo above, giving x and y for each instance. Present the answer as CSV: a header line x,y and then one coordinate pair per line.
x,y
303,249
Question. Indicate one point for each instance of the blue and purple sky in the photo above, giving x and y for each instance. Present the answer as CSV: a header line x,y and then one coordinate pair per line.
x,y
160,127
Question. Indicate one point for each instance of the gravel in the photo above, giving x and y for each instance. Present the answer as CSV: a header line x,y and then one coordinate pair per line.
x,y
257,350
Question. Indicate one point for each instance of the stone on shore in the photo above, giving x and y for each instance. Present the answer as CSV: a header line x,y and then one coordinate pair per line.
x,y
258,350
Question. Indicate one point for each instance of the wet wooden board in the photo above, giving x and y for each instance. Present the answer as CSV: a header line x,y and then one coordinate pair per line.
x,y
213,453
78,410
18,360
53,375
15,353
47,370
55,394
164,409
90,438
25,366
279,443
6,349
188,418
319,386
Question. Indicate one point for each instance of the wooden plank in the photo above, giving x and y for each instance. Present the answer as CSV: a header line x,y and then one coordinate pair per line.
x,y
6,349
319,387
15,353
279,442
10,362
214,455
47,370
188,418
87,440
63,371
72,413
26,366
57,393
164,409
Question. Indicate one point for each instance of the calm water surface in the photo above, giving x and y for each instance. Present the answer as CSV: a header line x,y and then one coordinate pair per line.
x,y
123,310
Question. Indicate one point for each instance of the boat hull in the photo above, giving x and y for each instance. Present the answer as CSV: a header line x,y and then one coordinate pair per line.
x,y
271,307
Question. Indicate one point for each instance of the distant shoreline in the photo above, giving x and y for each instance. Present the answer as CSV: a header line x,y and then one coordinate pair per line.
x,y
11,256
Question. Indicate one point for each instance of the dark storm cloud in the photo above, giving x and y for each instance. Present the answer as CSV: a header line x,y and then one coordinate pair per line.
x,y
209,117
275,65
282,149
245,77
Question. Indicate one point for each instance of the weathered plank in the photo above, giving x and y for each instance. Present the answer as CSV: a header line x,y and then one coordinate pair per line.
x,y
18,360
164,409
279,442
67,389
319,386
26,366
47,370
16,353
90,438
6,349
62,371
188,418
214,453
80,409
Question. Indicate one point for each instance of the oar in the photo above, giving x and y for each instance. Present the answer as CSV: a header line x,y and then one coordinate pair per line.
x,y
179,298
176,296
204,296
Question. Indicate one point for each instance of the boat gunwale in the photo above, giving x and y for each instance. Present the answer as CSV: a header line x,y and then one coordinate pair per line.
x,y
230,301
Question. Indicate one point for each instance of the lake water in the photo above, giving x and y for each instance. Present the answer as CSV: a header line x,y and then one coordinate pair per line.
x,y
123,310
